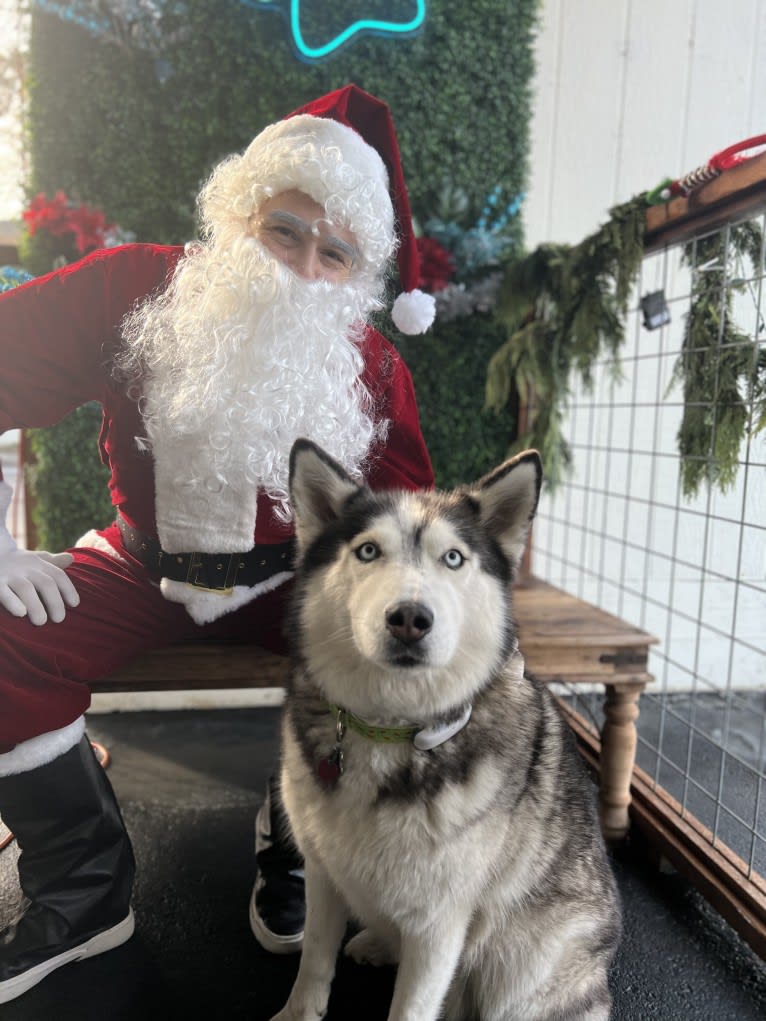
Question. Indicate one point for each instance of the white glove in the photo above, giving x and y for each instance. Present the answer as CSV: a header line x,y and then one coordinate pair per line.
x,y
32,584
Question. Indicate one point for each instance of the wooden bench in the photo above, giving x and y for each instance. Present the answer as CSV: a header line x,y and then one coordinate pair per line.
x,y
563,639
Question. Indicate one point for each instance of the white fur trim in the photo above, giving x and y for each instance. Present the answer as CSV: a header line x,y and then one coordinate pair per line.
x,y
414,311
93,540
205,606
6,539
39,751
351,147
199,518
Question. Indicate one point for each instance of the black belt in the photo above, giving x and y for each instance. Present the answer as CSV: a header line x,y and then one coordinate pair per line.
x,y
219,571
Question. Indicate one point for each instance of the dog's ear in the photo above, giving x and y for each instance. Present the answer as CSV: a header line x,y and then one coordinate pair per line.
x,y
319,487
508,500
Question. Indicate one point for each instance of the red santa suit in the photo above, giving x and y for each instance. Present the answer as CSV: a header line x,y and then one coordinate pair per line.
x,y
58,335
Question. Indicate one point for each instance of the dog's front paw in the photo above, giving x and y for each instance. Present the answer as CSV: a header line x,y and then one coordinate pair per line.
x,y
304,1008
288,1014
368,948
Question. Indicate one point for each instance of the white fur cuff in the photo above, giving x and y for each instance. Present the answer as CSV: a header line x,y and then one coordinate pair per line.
x,y
92,540
39,751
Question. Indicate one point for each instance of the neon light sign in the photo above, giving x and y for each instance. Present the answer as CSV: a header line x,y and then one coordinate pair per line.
x,y
372,26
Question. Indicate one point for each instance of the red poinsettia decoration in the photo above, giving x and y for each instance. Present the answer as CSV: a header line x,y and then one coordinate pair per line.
x,y
59,216
47,214
89,227
436,265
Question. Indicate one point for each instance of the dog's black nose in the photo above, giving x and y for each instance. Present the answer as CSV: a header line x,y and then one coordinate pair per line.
x,y
409,621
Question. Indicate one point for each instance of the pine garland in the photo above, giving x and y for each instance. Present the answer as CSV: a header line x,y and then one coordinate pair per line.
x,y
722,370
563,306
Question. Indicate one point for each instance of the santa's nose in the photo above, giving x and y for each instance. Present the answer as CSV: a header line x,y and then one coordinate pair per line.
x,y
307,263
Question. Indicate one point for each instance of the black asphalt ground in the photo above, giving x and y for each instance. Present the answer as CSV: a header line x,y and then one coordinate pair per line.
x,y
190,783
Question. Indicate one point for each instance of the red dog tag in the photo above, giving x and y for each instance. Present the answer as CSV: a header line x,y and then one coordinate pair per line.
x,y
330,768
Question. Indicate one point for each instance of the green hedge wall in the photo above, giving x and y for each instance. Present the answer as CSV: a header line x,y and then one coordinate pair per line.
x,y
449,366
108,126
136,133
68,503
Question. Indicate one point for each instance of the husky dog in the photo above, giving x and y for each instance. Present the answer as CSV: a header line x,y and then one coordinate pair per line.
x,y
433,790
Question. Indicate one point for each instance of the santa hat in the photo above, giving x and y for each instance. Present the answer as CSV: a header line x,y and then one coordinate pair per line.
x,y
341,150
370,118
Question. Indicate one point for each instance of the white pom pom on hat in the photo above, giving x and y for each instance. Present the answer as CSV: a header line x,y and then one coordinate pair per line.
x,y
413,311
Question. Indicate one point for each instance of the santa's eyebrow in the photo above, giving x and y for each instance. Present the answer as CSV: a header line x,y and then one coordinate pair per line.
x,y
290,219
350,250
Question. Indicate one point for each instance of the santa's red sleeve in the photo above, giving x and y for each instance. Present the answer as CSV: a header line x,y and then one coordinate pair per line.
x,y
402,460
58,332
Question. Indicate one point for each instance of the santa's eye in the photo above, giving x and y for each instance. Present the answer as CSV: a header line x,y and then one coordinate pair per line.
x,y
454,559
285,232
280,233
342,259
367,552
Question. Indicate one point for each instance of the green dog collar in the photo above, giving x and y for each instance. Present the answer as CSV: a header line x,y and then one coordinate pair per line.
x,y
424,738
385,735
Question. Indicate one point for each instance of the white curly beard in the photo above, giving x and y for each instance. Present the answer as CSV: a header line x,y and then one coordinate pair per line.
x,y
238,358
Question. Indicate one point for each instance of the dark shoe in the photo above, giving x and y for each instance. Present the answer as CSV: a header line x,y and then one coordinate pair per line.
x,y
75,868
277,903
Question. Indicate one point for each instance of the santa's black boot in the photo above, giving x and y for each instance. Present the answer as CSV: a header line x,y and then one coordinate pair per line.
x,y
278,900
75,868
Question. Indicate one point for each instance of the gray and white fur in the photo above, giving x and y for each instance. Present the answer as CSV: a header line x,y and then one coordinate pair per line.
x,y
477,865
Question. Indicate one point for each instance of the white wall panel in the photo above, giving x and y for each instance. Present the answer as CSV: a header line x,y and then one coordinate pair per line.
x,y
544,122
586,110
658,58
722,99
631,91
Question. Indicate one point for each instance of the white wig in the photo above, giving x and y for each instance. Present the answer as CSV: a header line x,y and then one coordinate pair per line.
x,y
326,160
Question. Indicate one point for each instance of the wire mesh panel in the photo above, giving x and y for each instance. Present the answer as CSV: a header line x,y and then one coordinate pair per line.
x,y
663,523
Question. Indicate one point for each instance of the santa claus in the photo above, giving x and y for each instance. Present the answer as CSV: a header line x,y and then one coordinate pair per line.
x,y
208,362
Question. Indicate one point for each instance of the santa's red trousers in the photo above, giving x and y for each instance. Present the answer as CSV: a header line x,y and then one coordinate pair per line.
x,y
45,670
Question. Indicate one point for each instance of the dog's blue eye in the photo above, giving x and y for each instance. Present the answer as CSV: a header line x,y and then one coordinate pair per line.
x,y
368,551
453,558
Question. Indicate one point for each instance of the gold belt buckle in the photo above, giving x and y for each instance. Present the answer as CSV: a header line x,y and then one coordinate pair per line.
x,y
227,564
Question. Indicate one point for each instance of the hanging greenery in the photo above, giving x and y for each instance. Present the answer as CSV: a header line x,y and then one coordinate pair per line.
x,y
562,307
721,369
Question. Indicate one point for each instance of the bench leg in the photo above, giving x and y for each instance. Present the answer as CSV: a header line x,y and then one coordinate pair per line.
x,y
618,755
